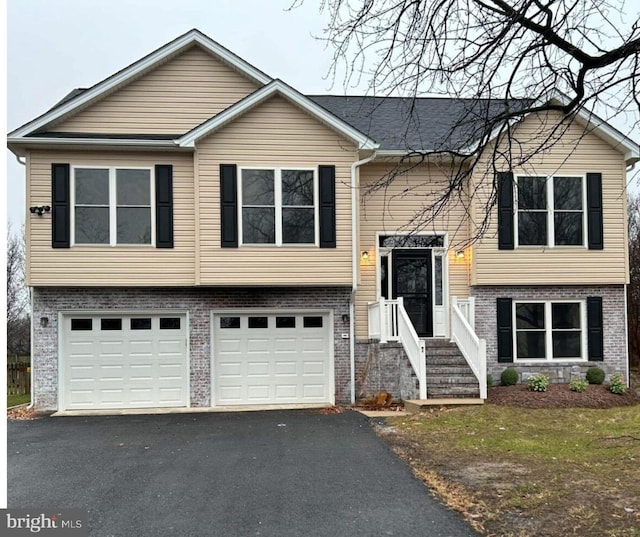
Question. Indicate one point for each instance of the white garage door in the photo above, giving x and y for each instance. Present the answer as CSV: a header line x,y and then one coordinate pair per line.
x,y
124,361
272,358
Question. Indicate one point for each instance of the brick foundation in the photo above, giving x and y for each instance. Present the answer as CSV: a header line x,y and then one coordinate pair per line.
x,y
47,302
615,343
384,367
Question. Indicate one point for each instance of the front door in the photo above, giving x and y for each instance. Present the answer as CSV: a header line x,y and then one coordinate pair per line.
x,y
412,281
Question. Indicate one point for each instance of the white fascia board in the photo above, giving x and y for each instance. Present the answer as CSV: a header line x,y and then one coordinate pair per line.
x,y
188,39
98,142
277,86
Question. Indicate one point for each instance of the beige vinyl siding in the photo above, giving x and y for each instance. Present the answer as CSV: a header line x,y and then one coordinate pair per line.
x,y
111,265
277,134
172,99
577,154
392,209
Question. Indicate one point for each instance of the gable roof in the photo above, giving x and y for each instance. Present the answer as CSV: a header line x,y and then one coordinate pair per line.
x,y
391,125
81,98
280,88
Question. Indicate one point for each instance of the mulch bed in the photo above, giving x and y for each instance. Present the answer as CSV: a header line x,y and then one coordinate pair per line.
x,y
560,396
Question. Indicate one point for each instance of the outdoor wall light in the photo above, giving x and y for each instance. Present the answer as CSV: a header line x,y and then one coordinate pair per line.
x,y
460,254
40,209
345,317
364,255
44,321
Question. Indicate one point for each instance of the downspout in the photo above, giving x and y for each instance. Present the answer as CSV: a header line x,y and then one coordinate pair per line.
x,y
33,401
355,259
33,395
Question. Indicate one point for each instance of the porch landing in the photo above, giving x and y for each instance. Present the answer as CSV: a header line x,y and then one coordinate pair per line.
x,y
416,405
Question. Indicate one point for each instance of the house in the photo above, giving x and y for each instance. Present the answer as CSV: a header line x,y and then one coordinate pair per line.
x,y
201,234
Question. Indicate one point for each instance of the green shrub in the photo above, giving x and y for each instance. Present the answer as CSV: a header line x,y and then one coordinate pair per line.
x,y
538,383
509,377
617,384
595,375
489,381
578,385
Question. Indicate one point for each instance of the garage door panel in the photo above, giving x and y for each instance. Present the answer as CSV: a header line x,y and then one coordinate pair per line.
x,y
313,368
142,347
287,391
313,345
258,369
313,391
229,346
271,365
171,347
286,368
232,394
126,368
258,346
81,349
230,369
285,346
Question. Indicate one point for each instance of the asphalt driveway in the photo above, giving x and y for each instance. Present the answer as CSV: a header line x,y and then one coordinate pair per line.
x,y
277,473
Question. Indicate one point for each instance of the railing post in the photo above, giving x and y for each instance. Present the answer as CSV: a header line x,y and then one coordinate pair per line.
x,y
454,303
483,369
472,312
384,321
423,370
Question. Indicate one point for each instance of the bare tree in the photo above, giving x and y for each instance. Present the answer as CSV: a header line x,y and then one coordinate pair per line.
x,y
633,291
18,323
503,60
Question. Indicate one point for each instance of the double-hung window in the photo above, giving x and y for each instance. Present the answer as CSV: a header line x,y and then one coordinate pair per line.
x,y
279,206
549,330
551,211
112,206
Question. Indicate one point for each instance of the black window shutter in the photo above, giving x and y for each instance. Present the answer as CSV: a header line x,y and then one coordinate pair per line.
x,y
505,211
164,206
594,329
594,211
61,206
505,330
229,205
327,206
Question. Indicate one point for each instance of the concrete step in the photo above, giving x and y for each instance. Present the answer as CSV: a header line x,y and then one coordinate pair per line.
x,y
451,379
438,343
448,369
449,394
442,352
452,390
416,405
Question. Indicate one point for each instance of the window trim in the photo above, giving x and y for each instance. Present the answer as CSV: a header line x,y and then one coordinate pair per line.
x,y
551,239
548,330
113,206
277,180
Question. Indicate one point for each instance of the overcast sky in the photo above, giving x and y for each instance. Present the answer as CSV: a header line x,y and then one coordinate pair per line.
x,y
55,46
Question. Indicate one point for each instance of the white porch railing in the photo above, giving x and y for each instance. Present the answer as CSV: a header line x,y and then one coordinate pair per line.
x,y
473,349
389,321
468,308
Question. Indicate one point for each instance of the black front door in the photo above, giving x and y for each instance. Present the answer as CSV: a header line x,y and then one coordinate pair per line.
x,y
412,282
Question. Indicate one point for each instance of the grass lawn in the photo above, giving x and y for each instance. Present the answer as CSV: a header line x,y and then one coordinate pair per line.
x,y
522,472
13,400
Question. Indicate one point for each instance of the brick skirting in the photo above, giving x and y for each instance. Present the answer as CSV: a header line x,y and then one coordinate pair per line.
x,y
48,302
613,311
